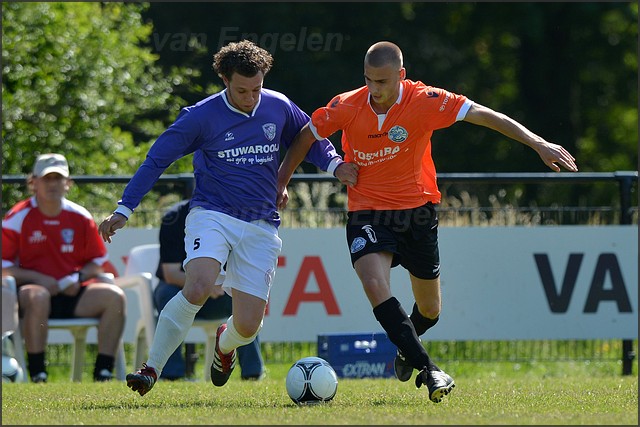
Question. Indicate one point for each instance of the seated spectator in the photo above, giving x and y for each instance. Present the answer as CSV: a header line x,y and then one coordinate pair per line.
x,y
52,248
171,277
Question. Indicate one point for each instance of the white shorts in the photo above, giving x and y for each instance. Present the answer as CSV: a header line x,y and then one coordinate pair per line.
x,y
250,249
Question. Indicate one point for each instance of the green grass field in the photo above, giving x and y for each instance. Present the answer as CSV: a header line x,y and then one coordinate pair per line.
x,y
557,393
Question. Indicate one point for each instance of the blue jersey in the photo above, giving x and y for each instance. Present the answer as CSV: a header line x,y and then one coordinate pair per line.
x,y
236,155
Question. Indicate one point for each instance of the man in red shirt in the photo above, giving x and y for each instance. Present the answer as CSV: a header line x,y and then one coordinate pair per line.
x,y
386,137
52,248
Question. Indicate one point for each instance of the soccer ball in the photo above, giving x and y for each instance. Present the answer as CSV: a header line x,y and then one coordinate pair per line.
x,y
11,370
311,380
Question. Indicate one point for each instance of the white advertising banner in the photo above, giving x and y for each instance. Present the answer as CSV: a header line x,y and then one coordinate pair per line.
x,y
498,283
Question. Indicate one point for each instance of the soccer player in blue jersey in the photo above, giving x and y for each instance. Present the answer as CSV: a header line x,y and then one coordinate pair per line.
x,y
235,137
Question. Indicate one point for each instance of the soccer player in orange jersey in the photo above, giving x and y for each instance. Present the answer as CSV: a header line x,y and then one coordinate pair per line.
x,y
392,191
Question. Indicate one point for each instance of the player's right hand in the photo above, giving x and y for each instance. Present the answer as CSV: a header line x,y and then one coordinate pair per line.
x,y
109,225
216,292
283,197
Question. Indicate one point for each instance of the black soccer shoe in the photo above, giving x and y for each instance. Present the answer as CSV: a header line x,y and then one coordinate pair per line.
x,y
402,368
438,382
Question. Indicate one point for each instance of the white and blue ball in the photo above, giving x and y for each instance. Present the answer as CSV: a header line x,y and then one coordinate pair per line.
x,y
311,380
11,370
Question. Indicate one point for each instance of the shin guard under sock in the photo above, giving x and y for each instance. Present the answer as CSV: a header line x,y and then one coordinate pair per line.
x,y
420,323
231,339
35,363
173,324
400,330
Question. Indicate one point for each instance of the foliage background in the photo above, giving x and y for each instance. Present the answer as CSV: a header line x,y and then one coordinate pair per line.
x,y
100,81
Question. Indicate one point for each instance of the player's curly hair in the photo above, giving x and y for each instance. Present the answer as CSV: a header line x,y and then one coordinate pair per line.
x,y
244,58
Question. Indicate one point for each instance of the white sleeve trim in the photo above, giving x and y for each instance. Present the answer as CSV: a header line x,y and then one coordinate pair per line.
x,y
333,165
314,131
123,210
464,110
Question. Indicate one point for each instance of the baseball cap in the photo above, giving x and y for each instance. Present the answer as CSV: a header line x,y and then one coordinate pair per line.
x,y
51,163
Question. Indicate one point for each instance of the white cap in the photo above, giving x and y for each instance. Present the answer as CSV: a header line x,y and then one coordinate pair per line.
x,y
51,163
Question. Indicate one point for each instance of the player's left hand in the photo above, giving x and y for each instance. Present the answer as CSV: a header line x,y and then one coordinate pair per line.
x,y
554,156
108,227
347,173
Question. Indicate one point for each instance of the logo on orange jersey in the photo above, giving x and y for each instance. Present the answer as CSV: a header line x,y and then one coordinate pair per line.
x,y
444,102
382,155
398,134
377,135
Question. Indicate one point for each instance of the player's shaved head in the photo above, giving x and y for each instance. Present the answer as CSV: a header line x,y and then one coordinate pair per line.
x,y
384,53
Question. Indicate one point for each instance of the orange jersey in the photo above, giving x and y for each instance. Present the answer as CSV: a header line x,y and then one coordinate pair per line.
x,y
394,155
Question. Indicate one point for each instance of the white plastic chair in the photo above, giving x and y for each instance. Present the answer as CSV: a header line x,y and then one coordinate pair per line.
x,y
140,324
77,328
145,259
11,320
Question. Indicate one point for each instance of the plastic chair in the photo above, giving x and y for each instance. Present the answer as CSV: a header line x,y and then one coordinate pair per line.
x,y
145,259
11,320
140,324
77,327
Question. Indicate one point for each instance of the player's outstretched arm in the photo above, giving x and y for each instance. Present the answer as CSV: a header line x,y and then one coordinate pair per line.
x,y
553,155
295,154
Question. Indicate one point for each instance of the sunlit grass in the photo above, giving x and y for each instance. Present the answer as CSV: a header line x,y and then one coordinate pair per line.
x,y
486,394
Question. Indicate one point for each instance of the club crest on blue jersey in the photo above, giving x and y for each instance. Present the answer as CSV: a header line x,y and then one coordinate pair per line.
x,y
269,130
398,134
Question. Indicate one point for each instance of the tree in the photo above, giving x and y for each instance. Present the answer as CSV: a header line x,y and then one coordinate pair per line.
x,y
566,70
79,78
85,78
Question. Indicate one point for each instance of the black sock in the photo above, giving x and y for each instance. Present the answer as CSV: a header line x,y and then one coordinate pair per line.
x,y
420,323
35,363
400,330
103,362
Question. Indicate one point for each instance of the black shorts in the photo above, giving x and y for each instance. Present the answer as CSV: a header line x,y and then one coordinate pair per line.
x,y
411,235
63,306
